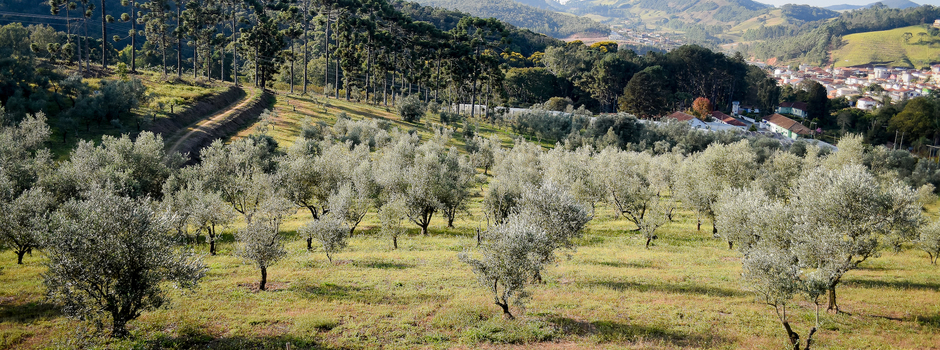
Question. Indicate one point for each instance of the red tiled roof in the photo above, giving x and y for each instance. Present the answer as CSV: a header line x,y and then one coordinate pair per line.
x,y
731,121
680,116
788,124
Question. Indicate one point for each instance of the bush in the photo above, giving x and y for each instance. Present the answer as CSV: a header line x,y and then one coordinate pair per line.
x,y
410,108
559,104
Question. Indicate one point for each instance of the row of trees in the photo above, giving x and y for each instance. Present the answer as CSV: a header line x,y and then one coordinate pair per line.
x,y
801,222
133,201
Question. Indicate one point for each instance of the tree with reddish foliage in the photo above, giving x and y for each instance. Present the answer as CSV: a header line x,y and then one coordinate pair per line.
x,y
702,107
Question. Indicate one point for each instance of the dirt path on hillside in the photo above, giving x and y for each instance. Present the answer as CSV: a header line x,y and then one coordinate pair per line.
x,y
212,122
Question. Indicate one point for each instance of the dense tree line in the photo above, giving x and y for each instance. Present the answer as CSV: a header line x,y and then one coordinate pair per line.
x,y
661,82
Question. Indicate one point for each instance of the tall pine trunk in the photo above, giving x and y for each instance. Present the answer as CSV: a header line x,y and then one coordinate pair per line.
x,y
304,66
104,38
133,36
326,49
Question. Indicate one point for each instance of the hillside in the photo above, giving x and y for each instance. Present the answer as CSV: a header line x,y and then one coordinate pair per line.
x,y
540,20
654,12
895,4
889,47
812,42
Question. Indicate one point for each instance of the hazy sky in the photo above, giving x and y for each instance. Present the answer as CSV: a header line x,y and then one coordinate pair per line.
x,y
824,3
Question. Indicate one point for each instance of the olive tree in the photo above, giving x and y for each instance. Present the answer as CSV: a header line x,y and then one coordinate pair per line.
x,y
842,215
770,273
514,170
23,158
508,259
456,179
763,229
25,220
572,171
134,168
705,175
928,239
209,214
411,108
329,231
625,177
391,215
558,214
483,151
241,173
111,258
260,242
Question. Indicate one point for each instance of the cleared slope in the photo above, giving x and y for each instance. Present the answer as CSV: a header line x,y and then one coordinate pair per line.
x,y
889,48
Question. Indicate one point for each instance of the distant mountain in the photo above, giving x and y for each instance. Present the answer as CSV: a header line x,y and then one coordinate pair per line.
x,y
519,14
895,4
655,13
844,7
542,4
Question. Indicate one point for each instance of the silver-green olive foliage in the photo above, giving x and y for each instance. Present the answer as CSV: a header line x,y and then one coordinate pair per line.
x,y
831,223
25,221
508,259
135,168
108,259
515,251
840,216
514,170
330,232
928,239
705,175
260,242
24,208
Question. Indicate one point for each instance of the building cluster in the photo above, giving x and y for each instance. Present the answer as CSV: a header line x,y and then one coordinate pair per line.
x,y
629,36
870,86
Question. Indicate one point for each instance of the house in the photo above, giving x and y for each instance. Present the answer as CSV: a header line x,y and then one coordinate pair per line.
x,y
738,109
727,119
786,126
683,117
795,108
936,23
867,103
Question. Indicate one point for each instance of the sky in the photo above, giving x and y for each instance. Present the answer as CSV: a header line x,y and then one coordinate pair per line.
x,y
824,3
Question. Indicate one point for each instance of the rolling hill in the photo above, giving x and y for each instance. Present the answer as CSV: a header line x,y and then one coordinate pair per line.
x,y
890,48
548,22
653,12
895,4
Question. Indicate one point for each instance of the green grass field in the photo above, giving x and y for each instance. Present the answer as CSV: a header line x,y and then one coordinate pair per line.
x,y
684,292
888,48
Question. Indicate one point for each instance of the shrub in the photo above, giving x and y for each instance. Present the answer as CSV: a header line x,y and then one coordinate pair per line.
x,y
410,108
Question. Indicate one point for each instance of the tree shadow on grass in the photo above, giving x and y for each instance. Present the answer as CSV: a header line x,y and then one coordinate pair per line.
x,y
928,286
366,295
383,264
932,321
639,264
670,288
27,312
610,331
205,341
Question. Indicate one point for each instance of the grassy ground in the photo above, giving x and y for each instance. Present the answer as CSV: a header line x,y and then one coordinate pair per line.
x,y
888,48
612,293
684,292
178,94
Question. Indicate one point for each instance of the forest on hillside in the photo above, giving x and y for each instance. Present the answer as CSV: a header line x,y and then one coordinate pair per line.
x,y
548,22
812,41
